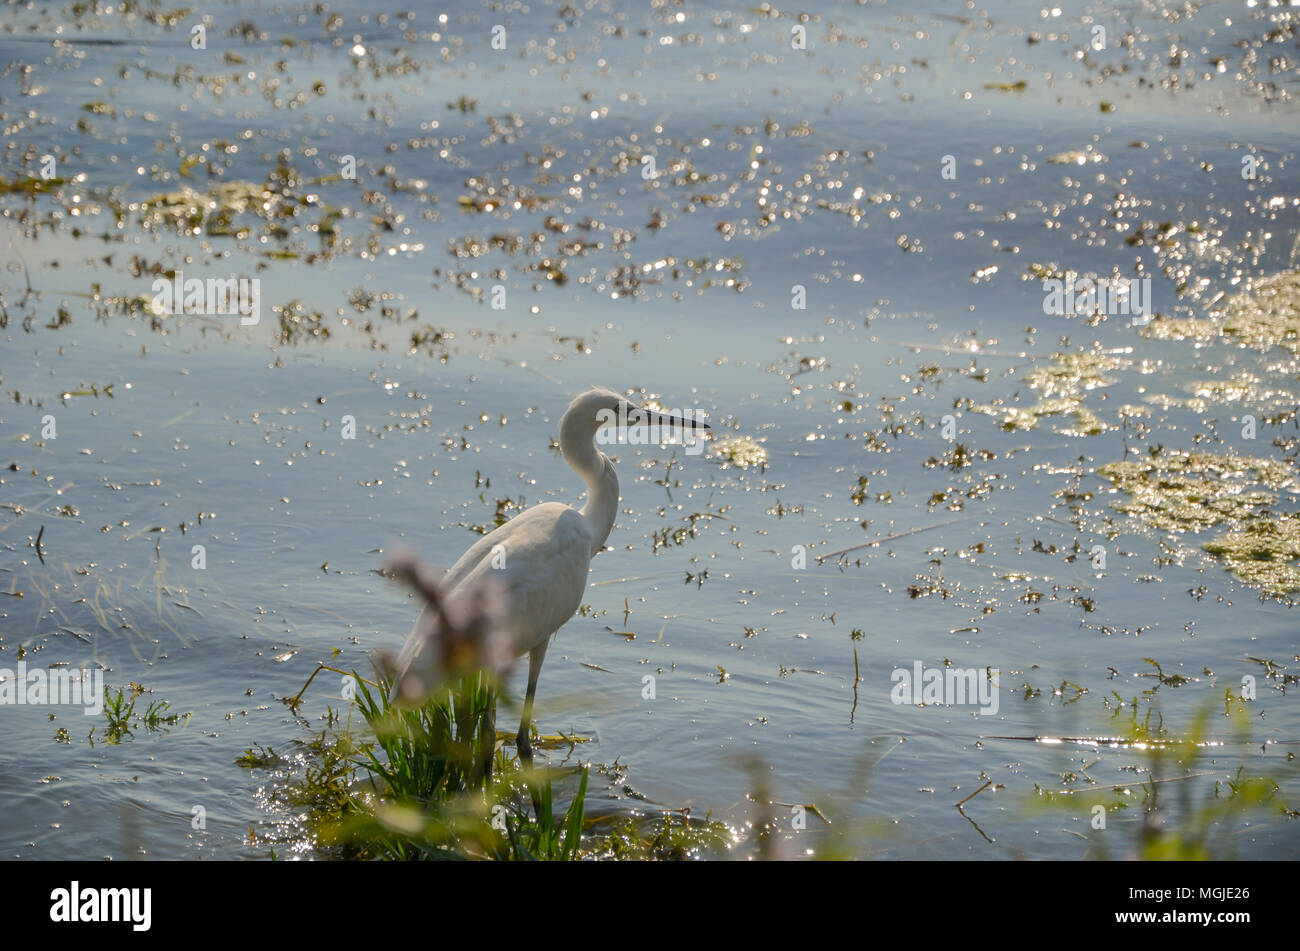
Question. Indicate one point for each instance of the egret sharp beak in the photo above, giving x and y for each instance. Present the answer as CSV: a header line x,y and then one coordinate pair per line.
x,y
652,418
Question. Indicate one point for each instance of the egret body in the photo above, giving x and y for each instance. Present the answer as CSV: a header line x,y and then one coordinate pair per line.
x,y
537,563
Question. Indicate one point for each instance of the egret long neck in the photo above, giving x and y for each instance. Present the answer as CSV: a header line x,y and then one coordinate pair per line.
x,y
602,503
577,443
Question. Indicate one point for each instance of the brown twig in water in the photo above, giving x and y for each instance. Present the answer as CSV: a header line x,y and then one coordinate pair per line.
x,y
975,793
857,677
810,806
959,808
887,538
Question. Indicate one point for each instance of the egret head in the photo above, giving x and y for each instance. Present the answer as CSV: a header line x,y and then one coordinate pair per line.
x,y
595,406
602,414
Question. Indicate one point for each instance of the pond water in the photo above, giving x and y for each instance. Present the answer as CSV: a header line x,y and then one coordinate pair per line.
x,y
835,253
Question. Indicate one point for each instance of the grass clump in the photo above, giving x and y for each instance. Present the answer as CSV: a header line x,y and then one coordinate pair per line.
x,y
412,787
404,785
122,719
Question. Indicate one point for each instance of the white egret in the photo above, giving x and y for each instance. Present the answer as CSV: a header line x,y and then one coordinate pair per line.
x,y
536,563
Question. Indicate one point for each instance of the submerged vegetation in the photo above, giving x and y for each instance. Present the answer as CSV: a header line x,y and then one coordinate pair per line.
x,y
1180,491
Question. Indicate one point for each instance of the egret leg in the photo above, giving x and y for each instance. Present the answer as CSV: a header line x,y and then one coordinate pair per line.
x,y
524,748
535,658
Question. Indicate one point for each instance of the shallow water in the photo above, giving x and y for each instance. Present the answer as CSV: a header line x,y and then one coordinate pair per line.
x,y
777,167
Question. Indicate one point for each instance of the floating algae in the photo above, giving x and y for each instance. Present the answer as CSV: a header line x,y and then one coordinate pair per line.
x,y
740,451
1071,374
1199,329
1271,403
1013,418
1264,553
1265,315
189,210
1180,491
1086,423
1062,385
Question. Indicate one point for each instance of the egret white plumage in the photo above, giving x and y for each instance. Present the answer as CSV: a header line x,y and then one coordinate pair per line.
x,y
534,567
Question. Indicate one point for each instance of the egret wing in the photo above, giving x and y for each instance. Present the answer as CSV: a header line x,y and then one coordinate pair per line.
x,y
542,566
